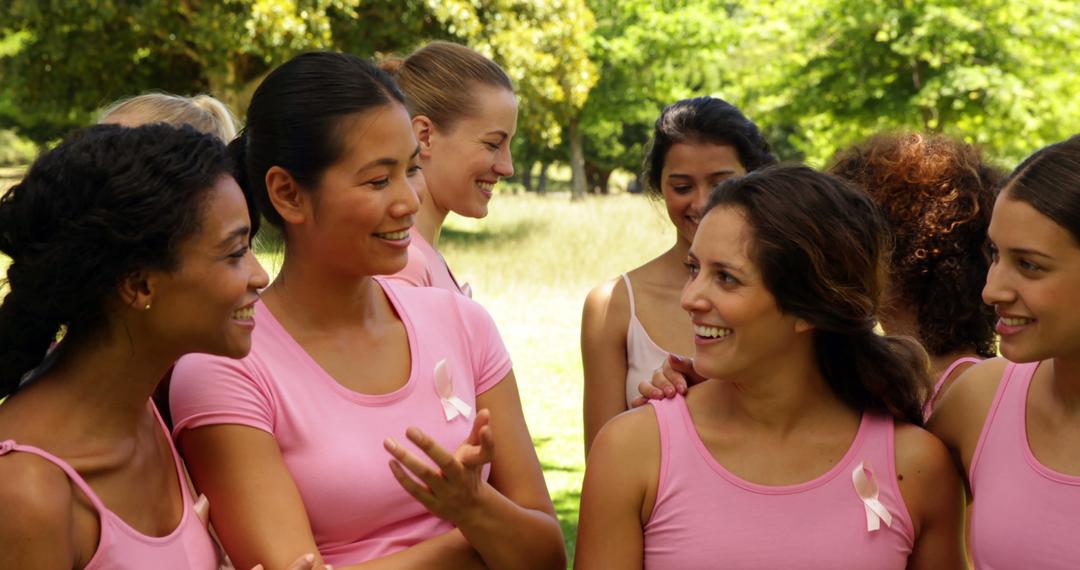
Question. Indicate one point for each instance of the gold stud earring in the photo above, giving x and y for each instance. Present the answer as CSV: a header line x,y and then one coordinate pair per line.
x,y
147,307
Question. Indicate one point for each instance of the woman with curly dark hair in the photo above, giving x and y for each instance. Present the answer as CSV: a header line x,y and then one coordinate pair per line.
x,y
134,243
937,193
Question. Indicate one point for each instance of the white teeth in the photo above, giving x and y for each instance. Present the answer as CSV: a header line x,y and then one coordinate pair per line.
x,y
711,332
1015,322
245,314
485,186
394,235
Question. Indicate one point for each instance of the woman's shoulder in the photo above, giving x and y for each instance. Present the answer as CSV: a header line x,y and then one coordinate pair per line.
x,y
36,495
964,408
608,303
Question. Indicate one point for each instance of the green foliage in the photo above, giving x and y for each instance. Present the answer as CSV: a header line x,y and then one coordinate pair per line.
x,y
15,150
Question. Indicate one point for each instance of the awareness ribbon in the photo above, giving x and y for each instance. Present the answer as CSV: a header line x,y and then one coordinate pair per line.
x,y
452,405
867,488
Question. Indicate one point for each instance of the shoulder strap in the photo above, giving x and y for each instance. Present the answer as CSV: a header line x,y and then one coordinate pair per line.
x,y
10,445
629,293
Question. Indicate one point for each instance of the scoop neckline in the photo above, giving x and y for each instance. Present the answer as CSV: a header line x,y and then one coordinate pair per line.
x,y
1029,455
328,380
829,475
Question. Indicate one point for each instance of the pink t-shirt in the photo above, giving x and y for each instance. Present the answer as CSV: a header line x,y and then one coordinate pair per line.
x,y
1023,514
427,268
331,438
706,517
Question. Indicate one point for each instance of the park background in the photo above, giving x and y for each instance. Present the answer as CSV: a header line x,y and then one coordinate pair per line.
x,y
591,77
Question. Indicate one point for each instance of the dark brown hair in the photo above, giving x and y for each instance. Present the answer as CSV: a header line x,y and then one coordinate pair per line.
x,y
822,247
937,194
1049,180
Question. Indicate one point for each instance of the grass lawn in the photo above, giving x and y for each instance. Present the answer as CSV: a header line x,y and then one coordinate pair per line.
x,y
530,263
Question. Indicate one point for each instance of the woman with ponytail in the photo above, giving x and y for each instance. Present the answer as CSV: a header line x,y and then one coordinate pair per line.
x,y
364,421
1012,423
464,115
133,245
807,451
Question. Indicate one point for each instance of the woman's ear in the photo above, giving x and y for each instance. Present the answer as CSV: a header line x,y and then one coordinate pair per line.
x,y
424,129
802,325
137,290
286,196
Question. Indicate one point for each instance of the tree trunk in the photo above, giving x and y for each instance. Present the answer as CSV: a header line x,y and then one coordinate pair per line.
x,y
526,175
604,181
577,162
541,186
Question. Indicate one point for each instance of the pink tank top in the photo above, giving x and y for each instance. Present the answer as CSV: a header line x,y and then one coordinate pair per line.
x,y
706,517
643,356
1023,515
121,547
928,407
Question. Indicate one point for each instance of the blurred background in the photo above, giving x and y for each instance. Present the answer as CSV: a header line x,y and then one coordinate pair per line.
x,y
591,76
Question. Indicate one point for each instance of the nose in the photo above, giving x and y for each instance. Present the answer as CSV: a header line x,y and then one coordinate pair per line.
x,y
504,162
701,198
259,278
407,196
998,289
692,300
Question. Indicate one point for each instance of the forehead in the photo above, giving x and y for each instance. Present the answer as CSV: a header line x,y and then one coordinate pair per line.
x,y
724,235
385,131
1017,224
701,158
497,110
223,211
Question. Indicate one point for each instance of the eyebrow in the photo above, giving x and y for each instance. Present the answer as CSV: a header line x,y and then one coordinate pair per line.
x,y
718,172
718,264
502,134
239,232
387,161
1025,251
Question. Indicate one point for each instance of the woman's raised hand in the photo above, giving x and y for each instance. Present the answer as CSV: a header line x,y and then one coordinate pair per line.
x,y
673,377
453,489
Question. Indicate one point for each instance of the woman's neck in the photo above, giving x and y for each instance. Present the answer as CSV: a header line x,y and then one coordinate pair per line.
x,y
430,219
307,296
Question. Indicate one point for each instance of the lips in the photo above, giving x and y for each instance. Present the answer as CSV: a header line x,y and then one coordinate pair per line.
x,y
709,332
246,313
393,236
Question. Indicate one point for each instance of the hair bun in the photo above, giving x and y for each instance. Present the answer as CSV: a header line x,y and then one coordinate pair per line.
x,y
391,64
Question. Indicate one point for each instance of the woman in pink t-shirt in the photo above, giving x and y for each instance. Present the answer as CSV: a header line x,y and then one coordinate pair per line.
x,y
937,193
808,452
365,419
132,244
464,115
1011,422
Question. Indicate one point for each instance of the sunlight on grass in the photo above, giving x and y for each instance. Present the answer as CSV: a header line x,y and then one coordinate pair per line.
x,y
530,263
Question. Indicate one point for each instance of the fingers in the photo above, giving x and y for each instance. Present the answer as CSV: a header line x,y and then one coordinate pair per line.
x,y
476,455
483,418
685,367
445,460
418,467
411,486
305,562
639,401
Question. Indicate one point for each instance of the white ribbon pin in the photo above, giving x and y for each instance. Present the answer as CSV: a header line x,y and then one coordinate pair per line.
x,y
867,488
452,405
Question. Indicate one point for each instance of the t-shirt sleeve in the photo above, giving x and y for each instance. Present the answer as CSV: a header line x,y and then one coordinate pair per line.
x,y
209,390
416,271
490,359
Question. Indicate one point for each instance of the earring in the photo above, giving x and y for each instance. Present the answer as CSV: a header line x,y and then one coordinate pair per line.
x,y
147,307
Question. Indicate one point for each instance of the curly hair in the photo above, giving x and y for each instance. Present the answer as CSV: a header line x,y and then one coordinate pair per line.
x,y
937,194
709,120
105,203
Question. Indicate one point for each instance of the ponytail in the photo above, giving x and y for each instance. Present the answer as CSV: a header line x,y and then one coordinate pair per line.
x,y
892,372
237,150
25,337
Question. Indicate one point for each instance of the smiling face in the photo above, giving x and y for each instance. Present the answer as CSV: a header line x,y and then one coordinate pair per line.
x,y
208,303
737,323
1033,283
358,218
463,163
691,170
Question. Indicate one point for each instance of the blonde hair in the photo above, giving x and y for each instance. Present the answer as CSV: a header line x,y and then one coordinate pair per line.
x,y
437,79
203,112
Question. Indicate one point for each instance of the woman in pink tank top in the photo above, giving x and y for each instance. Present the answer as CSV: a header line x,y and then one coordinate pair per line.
x,y
808,453
631,323
133,245
1011,422
936,193
464,115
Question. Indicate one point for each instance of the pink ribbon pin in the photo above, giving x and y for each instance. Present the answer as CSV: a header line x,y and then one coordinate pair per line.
x,y
867,488
452,405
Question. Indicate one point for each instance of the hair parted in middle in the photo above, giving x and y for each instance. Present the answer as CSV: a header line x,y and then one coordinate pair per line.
x,y
822,248
937,193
